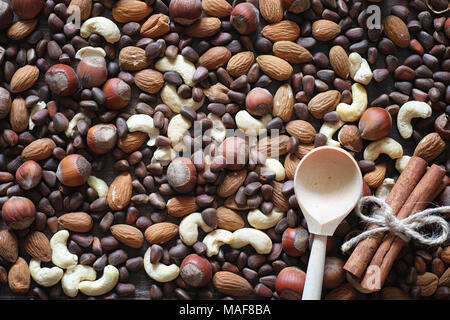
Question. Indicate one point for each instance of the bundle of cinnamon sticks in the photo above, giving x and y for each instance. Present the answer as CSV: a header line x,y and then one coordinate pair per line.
x,y
417,186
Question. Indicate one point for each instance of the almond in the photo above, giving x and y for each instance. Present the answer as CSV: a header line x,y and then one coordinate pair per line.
x,y
217,8
18,116
339,61
302,130
284,30
203,28
240,63
161,232
324,102
39,149
21,29
290,165
128,235
85,7
430,147
149,80
344,292
19,277
132,141
180,206
231,284
9,246
230,203
24,78
156,26
273,146
291,52
444,280
445,254
214,58
130,10
283,102
350,138
217,93
76,221
37,245
228,219
271,10
278,199
303,149
428,283
133,59
274,67
231,183
119,192
375,177
397,31
325,30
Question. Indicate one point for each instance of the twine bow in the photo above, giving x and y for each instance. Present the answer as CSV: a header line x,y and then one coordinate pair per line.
x,y
406,229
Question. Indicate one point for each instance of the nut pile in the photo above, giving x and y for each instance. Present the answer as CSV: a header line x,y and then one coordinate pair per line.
x,y
118,171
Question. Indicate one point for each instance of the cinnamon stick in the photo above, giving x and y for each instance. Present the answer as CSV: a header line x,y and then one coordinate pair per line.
x,y
425,192
408,179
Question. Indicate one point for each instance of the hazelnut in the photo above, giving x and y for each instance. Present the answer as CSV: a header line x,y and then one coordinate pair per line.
x,y
6,15
195,270
181,174
73,170
295,241
375,123
235,151
334,273
350,138
117,92
290,283
185,12
259,102
442,126
102,138
296,6
92,68
62,80
18,213
27,9
245,18
29,175
5,101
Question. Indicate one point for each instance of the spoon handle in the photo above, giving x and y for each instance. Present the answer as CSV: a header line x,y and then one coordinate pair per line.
x,y
316,264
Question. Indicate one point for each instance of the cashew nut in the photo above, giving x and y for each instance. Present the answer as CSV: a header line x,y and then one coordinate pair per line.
x,y
353,112
38,106
102,26
383,190
275,166
178,125
71,129
89,51
143,123
248,124
171,98
218,131
189,228
215,239
98,185
180,65
164,155
102,285
401,163
159,271
359,69
73,276
262,221
61,256
258,239
45,277
386,145
329,129
409,110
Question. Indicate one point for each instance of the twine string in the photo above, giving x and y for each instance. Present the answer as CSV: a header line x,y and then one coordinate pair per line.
x,y
406,229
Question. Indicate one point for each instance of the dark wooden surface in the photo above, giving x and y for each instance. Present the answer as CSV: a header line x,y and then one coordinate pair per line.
x,y
140,279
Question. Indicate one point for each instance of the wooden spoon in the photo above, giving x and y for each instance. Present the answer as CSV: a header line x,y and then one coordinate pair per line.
x,y
328,184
